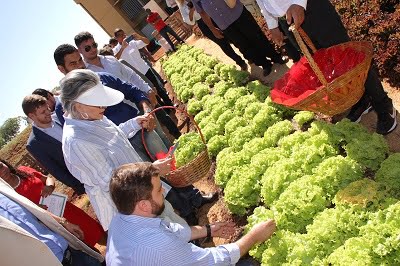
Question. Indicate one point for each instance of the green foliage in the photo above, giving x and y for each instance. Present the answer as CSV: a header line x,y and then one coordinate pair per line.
x,y
9,130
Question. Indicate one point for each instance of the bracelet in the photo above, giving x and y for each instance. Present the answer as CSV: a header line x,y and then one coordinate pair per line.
x,y
63,221
208,237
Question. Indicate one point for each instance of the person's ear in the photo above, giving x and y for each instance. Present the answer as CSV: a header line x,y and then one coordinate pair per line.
x,y
31,116
62,69
144,206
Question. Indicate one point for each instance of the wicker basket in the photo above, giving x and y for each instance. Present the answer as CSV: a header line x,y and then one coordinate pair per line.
x,y
192,171
343,92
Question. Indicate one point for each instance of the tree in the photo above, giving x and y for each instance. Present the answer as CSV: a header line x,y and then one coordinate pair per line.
x,y
9,130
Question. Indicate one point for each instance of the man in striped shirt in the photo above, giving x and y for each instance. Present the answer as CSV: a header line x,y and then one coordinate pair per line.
x,y
137,236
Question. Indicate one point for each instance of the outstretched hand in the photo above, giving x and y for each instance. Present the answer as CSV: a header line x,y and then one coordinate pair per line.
x,y
75,230
295,14
222,229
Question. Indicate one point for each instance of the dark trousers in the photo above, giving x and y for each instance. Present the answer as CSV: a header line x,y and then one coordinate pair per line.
x,y
247,36
324,27
163,100
185,200
164,33
222,43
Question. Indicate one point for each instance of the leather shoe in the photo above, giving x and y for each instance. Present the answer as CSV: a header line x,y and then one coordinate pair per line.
x,y
209,198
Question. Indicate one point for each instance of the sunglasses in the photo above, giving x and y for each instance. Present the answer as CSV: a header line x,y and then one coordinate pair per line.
x,y
89,47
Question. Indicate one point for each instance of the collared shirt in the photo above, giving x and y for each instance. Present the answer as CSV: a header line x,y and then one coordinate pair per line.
x,y
219,11
137,240
92,151
113,66
19,215
131,54
274,9
55,130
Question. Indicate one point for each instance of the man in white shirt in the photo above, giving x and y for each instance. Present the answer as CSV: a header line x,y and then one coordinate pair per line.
x,y
321,22
130,53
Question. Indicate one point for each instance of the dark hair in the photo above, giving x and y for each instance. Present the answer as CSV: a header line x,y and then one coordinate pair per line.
x,y
131,183
42,92
14,171
32,102
113,41
81,37
116,31
106,50
61,51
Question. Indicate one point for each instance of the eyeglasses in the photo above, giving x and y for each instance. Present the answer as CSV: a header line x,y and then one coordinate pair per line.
x,y
89,47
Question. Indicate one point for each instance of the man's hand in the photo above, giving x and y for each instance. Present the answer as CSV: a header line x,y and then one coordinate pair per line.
x,y
164,165
277,36
152,97
74,229
263,231
150,123
217,33
222,229
295,14
47,190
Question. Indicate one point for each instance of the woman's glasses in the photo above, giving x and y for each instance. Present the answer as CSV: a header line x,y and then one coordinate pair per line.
x,y
89,47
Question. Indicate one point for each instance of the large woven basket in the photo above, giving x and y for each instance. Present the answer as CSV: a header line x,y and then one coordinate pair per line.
x,y
341,93
192,171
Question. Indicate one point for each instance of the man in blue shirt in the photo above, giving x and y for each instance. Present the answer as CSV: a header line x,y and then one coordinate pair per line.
x,y
137,237
27,219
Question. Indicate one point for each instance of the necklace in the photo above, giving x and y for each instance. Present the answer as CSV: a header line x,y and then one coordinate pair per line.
x,y
19,182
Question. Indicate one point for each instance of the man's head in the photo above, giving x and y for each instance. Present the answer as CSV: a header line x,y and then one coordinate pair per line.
x,y
68,58
86,45
119,35
106,50
35,107
113,42
148,11
136,189
51,101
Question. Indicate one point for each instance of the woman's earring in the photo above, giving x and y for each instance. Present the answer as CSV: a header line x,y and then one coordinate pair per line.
x,y
84,116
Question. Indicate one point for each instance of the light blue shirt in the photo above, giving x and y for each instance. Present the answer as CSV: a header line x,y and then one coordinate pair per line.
x,y
92,151
26,220
137,240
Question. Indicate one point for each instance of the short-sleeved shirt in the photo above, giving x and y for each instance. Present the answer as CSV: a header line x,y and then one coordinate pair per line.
x,y
219,11
153,17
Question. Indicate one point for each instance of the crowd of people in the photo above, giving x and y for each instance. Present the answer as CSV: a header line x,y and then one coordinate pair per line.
x,y
89,138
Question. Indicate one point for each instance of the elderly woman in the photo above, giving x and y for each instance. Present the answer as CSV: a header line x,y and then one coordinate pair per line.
x,y
93,146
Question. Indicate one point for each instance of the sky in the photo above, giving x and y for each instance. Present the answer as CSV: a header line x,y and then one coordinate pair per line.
x,y
31,30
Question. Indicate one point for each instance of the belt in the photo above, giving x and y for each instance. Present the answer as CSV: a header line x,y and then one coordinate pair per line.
x,y
67,258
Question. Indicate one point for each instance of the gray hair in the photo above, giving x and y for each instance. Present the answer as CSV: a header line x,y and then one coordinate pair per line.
x,y
74,84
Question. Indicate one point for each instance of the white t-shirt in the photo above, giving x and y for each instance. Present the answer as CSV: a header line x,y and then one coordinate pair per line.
x,y
131,55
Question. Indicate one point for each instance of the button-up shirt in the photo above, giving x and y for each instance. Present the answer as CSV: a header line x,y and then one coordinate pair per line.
x,y
92,151
273,9
219,11
137,240
131,54
19,215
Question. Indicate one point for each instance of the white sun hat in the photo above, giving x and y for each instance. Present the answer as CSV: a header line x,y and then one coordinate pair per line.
x,y
100,95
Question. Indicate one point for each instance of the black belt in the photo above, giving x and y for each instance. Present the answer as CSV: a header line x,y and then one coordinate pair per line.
x,y
67,258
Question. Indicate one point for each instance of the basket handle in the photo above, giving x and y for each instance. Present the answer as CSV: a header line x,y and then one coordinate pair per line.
x,y
178,109
300,34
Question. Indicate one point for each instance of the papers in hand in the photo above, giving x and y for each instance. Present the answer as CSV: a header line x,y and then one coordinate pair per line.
x,y
55,203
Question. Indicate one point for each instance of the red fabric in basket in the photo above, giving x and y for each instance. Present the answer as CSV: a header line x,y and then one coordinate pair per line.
x,y
300,81
162,155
